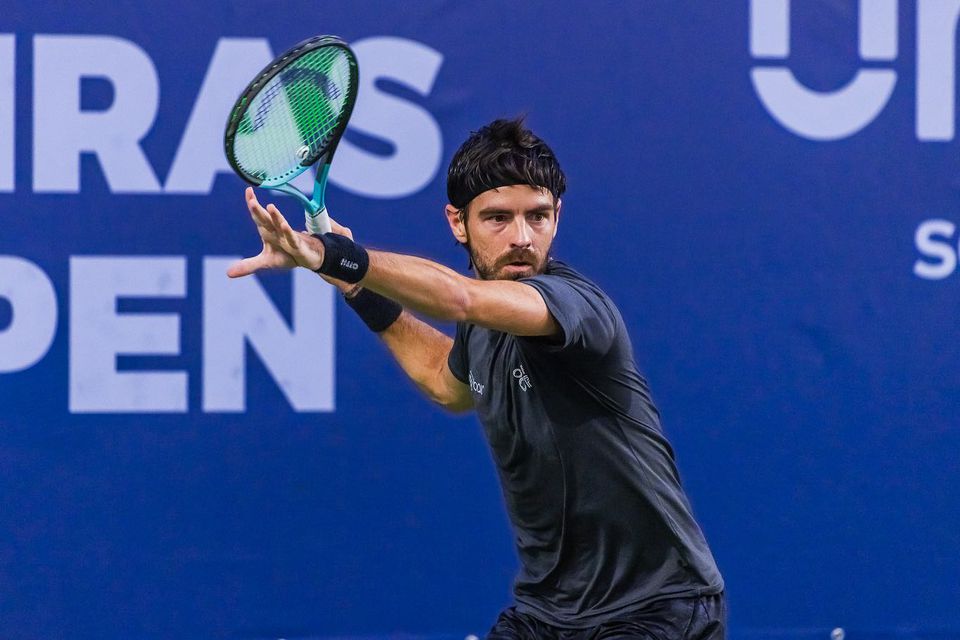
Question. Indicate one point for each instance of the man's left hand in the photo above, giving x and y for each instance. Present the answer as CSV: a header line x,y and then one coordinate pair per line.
x,y
283,248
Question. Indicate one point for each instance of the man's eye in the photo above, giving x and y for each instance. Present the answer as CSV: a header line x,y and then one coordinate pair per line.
x,y
499,218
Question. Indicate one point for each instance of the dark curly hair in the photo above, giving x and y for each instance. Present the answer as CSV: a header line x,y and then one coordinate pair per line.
x,y
500,154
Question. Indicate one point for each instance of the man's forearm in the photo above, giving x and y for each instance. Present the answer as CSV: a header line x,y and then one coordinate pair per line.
x,y
441,293
419,284
430,288
422,352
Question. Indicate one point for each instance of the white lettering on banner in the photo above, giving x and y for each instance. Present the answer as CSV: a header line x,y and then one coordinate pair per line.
x,y
235,313
33,325
200,154
932,240
770,29
300,358
936,73
840,114
413,132
98,334
62,131
7,119
823,115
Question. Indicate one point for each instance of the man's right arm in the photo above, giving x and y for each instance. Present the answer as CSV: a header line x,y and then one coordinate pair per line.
x,y
422,353
421,350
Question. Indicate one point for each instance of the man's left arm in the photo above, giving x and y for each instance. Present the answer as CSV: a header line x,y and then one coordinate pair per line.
x,y
418,284
444,294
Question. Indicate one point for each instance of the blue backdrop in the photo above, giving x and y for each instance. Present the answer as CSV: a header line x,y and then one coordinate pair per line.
x,y
769,190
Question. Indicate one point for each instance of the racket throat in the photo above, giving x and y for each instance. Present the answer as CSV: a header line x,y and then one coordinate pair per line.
x,y
313,209
319,187
311,206
317,219
290,190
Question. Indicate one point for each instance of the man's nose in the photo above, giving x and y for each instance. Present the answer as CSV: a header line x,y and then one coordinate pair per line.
x,y
522,237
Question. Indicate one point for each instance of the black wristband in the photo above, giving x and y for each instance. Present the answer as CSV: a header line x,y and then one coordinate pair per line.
x,y
343,258
376,311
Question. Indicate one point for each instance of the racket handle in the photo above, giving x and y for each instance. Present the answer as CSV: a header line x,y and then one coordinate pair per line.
x,y
319,222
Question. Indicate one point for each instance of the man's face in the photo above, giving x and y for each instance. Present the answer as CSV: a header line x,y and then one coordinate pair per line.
x,y
508,231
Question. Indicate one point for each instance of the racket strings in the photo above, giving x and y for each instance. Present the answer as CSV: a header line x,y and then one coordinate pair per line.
x,y
294,115
263,108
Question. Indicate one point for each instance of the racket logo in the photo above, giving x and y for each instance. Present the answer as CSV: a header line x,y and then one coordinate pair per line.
x,y
303,153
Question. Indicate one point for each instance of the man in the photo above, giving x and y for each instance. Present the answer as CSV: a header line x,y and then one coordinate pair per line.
x,y
607,542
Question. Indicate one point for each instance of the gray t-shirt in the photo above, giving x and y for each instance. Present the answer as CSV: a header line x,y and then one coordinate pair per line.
x,y
601,523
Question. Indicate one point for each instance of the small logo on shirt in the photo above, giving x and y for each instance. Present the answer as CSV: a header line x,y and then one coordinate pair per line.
x,y
475,386
522,378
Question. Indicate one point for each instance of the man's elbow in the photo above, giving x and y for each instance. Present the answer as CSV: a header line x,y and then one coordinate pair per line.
x,y
452,402
468,301
459,406
461,302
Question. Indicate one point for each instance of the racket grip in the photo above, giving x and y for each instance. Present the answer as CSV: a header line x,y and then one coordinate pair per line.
x,y
319,222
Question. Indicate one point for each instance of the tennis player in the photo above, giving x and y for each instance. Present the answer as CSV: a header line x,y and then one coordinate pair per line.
x,y
607,542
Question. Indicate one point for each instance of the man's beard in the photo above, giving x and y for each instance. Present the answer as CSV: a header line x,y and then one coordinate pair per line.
x,y
500,268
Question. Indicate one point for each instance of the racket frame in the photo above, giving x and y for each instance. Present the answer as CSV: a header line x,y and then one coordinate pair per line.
x,y
314,207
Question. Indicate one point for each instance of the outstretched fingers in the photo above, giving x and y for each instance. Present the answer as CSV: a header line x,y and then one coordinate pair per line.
x,y
283,248
266,258
284,233
261,216
245,266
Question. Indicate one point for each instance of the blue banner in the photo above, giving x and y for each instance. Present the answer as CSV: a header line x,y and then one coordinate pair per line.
x,y
768,190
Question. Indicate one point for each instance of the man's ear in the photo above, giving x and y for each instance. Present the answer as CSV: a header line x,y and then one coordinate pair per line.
x,y
458,225
556,224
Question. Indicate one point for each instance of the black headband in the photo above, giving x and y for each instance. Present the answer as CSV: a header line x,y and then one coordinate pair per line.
x,y
462,198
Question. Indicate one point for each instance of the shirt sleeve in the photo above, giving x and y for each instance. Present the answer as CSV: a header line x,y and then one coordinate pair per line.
x,y
457,360
586,316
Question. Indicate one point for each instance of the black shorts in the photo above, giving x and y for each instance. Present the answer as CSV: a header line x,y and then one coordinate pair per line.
x,y
702,618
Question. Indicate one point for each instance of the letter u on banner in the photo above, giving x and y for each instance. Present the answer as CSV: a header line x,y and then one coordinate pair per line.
x,y
817,115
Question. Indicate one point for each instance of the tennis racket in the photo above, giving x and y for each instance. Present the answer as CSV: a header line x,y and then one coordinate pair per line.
x,y
291,117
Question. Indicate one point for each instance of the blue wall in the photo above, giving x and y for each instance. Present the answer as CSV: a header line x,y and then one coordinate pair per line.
x,y
757,196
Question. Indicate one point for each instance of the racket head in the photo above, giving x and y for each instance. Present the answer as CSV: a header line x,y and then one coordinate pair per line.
x,y
293,112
